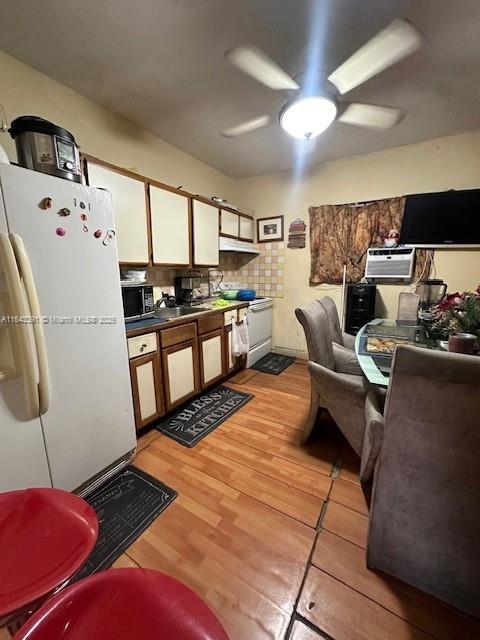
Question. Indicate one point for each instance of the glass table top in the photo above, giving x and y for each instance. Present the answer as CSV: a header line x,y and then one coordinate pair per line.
x,y
375,345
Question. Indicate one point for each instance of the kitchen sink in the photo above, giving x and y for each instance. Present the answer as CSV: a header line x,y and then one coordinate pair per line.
x,y
178,312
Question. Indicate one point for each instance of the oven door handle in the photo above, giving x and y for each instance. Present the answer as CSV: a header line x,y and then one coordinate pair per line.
x,y
260,307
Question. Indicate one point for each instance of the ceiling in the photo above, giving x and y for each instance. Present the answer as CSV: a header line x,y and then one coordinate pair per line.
x,y
161,64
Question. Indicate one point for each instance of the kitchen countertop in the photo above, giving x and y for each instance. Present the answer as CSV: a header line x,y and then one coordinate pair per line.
x,y
138,327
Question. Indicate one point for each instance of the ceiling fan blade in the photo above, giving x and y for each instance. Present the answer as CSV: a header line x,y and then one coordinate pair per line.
x,y
398,40
370,116
258,65
246,127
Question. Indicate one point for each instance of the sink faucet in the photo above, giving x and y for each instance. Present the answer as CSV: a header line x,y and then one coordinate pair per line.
x,y
165,301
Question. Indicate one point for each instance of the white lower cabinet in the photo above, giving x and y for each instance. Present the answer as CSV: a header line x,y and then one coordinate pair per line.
x,y
146,377
180,366
230,360
212,357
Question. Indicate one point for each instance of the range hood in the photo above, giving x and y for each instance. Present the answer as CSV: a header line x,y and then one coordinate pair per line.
x,y
239,246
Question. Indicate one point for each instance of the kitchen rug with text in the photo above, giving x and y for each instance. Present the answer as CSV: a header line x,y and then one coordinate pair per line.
x,y
202,415
125,506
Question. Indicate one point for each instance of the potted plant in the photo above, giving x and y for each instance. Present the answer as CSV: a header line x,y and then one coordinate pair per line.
x,y
456,313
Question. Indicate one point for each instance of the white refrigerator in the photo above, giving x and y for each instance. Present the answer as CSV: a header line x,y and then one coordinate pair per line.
x,y
66,414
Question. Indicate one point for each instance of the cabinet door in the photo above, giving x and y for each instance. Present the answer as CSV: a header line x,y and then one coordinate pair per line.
x,y
232,363
229,224
146,377
170,216
205,234
212,357
247,228
230,360
129,212
181,373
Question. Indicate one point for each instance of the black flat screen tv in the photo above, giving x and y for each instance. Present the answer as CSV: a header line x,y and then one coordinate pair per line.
x,y
445,219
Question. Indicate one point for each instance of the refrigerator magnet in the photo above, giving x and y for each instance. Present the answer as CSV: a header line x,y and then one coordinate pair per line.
x,y
85,228
61,231
98,233
83,216
46,203
109,236
65,211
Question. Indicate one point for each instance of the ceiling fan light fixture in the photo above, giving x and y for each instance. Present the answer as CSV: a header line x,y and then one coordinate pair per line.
x,y
307,118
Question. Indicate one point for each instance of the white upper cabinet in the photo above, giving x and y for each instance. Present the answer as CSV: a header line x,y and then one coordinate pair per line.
x,y
129,211
247,228
229,223
205,234
169,213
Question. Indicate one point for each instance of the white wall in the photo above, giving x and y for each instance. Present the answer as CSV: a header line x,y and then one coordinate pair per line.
x,y
101,133
444,163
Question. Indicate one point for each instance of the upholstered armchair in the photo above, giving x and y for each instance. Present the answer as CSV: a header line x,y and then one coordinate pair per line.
x,y
334,386
425,509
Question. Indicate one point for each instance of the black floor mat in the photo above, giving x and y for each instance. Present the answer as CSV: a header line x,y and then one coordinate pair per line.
x,y
125,505
273,363
202,415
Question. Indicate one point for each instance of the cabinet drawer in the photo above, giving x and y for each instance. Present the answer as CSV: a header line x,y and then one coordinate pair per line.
x,y
210,323
141,345
229,316
176,335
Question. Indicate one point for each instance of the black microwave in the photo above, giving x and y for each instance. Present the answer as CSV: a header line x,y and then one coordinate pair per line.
x,y
137,301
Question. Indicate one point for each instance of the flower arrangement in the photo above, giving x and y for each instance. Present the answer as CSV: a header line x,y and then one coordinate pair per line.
x,y
455,313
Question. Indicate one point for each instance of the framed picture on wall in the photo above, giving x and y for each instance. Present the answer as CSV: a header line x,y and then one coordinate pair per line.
x,y
270,229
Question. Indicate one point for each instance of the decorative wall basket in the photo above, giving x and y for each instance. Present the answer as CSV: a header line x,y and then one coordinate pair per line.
x,y
297,234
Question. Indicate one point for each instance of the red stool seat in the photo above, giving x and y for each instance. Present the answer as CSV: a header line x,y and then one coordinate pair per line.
x,y
45,536
138,604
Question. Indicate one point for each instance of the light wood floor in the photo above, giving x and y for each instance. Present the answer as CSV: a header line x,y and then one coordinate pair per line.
x,y
272,534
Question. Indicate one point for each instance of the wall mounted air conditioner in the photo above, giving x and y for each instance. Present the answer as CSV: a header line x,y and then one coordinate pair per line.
x,y
389,265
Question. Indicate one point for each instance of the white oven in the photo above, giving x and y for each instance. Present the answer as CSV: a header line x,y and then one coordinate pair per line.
x,y
259,319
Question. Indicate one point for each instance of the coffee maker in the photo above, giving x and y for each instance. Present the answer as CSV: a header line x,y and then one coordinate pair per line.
x,y
186,287
431,291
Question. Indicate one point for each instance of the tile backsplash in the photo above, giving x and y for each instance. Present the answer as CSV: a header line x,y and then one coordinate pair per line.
x,y
264,273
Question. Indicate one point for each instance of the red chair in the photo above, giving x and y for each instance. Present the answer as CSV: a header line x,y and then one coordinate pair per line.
x,y
138,604
45,537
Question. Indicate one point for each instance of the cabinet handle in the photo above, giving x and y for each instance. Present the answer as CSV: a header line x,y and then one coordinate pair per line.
x,y
144,346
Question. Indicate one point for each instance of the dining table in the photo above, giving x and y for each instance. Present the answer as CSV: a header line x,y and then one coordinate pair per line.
x,y
376,341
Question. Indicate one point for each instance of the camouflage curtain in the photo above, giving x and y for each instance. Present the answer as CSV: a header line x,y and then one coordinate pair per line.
x,y
341,234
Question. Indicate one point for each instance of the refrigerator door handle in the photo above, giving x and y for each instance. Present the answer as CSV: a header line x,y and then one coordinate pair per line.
x,y
19,307
26,273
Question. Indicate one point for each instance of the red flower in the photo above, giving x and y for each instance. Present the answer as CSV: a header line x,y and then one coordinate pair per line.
x,y
450,301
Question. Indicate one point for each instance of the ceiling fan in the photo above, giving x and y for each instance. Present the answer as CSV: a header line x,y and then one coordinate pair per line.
x,y
307,116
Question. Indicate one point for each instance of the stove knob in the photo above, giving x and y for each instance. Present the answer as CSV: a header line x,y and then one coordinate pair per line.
x,y
68,166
